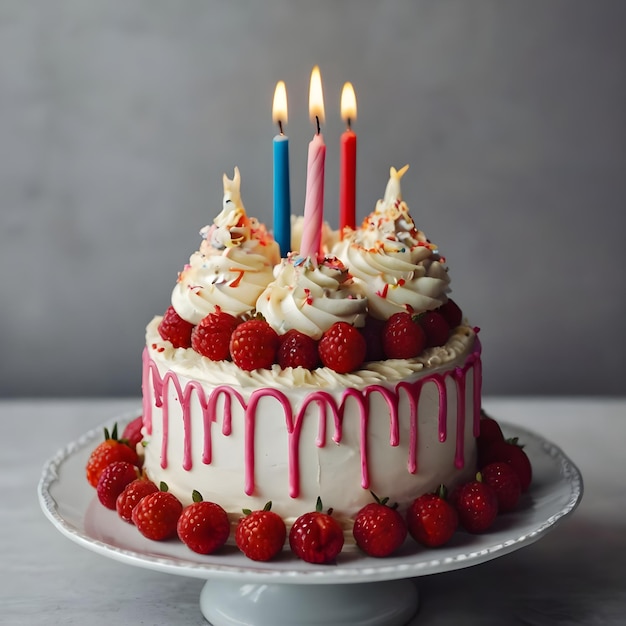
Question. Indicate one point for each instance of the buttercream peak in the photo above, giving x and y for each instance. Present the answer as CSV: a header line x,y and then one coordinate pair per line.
x,y
393,191
232,192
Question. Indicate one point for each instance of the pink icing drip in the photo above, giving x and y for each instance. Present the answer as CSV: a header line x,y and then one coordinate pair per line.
x,y
250,421
210,416
440,381
145,382
323,401
413,392
392,404
294,426
459,455
478,383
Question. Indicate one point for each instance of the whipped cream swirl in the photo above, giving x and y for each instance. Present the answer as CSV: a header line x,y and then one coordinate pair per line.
x,y
394,263
311,297
233,265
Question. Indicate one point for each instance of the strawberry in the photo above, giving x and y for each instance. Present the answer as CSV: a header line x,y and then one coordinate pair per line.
x,y
132,432
477,505
130,497
342,348
379,529
260,535
211,337
490,432
113,481
505,482
431,519
435,327
316,537
175,329
297,350
156,514
403,338
203,526
451,312
253,345
373,334
107,452
511,452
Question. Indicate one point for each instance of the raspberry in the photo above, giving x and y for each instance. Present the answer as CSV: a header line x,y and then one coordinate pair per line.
x,y
451,312
373,334
260,535
435,328
403,338
132,432
490,432
477,505
253,345
131,496
297,350
342,348
431,519
175,329
511,452
211,337
157,514
107,452
379,530
316,537
203,526
114,480
505,482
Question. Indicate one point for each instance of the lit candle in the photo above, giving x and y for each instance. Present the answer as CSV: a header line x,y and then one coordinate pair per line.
x,y
282,198
314,200
347,171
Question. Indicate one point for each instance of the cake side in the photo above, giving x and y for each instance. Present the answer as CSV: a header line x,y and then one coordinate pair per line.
x,y
244,438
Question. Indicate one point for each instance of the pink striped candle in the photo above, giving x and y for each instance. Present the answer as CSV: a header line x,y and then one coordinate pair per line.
x,y
314,200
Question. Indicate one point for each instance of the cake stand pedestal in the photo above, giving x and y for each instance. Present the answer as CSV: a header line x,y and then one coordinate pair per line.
x,y
386,603
288,592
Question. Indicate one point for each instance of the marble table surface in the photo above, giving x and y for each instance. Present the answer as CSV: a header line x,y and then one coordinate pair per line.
x,y
576,574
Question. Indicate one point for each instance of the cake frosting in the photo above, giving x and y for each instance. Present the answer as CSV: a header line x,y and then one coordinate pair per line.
x,y
395,427
310,296
393,261
233,266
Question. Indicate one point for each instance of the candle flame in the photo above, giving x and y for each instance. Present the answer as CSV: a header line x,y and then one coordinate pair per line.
x,y
348,103
316,97
279,106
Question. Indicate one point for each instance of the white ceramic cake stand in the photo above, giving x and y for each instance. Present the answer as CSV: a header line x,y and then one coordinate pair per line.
x,y
288,592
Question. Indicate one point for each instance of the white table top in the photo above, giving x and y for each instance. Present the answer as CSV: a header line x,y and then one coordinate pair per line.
x,y
574,575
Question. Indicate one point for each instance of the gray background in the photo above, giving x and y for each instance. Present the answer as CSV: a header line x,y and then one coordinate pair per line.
x,y
119,117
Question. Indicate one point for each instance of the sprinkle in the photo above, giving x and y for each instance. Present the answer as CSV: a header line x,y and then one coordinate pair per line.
x,y
383,293
237,280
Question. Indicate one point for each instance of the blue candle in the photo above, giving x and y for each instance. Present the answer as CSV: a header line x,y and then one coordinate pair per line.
x,y
282,196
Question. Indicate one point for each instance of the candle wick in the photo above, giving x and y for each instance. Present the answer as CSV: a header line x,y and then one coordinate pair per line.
x,y
280,127
349,122
317,123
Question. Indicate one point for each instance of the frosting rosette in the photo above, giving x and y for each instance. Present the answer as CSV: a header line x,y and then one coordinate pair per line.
x,y
397,267
233,265
311,297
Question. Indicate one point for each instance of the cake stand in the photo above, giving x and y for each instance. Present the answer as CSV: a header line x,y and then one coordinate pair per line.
x,y
289,592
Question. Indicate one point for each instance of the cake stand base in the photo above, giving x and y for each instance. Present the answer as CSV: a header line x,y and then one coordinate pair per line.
x,y
385,603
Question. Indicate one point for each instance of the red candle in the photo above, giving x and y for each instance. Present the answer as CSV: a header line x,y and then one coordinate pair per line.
x,y
314,200
347,172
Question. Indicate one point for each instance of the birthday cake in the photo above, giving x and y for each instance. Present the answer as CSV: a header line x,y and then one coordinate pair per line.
x,y
291,379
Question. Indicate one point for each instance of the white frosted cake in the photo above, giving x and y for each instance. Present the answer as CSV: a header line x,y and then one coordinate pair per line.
x,y
243,436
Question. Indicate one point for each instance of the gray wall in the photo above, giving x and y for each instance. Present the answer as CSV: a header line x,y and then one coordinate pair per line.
x,y
118,118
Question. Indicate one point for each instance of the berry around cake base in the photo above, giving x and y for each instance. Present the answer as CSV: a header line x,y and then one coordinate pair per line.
x,y
397,428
